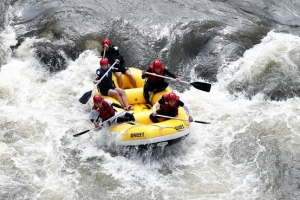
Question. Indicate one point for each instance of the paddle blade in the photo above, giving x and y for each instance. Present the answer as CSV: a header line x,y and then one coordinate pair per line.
x,y
202,122
202,86
81,133
85,98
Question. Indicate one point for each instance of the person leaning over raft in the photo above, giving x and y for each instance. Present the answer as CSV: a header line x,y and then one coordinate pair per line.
x,y
113,55
103,108
155,84
107,87
169,104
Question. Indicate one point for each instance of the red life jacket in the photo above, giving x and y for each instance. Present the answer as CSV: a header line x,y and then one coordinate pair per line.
x,y
156,79
166,106
106,111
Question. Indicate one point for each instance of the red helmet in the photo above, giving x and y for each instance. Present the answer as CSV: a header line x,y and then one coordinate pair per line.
x,y
172,96
97,99
106,41
157,64
104,61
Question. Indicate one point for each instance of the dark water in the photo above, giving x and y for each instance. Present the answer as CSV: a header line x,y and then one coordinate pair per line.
x,y
248,50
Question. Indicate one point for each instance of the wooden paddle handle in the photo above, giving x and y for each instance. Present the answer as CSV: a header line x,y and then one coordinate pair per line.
x,y
104,52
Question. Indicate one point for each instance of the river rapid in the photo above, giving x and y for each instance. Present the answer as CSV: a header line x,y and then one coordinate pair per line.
x,y
249,51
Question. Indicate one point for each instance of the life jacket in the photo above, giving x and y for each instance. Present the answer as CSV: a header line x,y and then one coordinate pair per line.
x,y
156,79
106,111
166,106
107,80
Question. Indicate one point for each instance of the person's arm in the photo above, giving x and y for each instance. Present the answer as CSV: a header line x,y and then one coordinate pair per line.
x,y
154,108
167,72
97,76
188,111
118,55
94,117
144,75
160,102
119,59
115,49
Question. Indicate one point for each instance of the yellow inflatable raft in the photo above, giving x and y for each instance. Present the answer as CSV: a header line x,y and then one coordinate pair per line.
x,y
144,131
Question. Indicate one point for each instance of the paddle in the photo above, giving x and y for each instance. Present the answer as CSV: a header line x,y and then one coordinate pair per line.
x,y
85,98
199,85
182,119
83,132
104,52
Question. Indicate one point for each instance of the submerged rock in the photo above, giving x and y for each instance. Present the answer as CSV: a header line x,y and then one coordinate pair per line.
x,y
54,57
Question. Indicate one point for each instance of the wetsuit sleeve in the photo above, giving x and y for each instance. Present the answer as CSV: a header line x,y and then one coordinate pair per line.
x,y
118,55
94,115
161,101
146,75
167,72
97,76
113,49
180,103
154,106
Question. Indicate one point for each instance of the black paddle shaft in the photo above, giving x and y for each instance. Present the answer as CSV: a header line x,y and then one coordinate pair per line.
x,y
201,122
83,132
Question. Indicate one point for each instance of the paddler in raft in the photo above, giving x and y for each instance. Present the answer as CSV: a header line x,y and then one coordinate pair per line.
x,y
106,85
169,104
103,108
111,52
155,84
